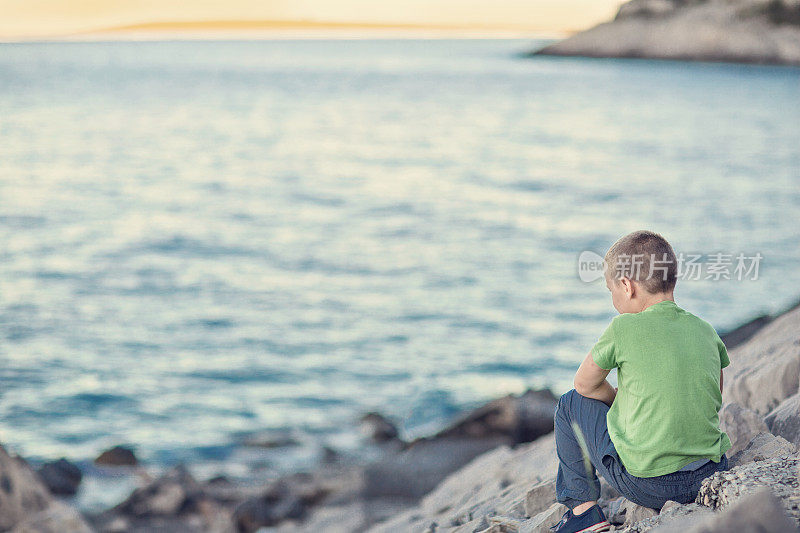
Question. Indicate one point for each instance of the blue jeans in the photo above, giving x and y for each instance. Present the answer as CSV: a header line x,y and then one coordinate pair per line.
x,y
574,485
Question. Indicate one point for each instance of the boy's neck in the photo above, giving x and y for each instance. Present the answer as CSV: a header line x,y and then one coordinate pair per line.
x,y
653,299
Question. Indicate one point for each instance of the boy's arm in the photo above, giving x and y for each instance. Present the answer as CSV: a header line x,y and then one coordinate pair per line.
x,y
720,381
590,381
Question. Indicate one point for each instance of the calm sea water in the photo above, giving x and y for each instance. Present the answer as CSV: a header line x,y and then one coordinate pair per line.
x,y
201,240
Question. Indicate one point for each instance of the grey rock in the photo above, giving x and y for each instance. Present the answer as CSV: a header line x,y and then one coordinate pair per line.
x,y
742,31
626,512
607,492
784,420
333,519
417,470
494,483
293,503
673,518
22,492
763,446
765,370
117,456
477,525
759,512
511,419
609,499
381,509
165,496
58,517
277,504
271,439
646,9
378,428
741,425
540,498
613,511
780,475
26,505
669,506
503,524
541,522
62,477
173,502
225,491
117,524
744,332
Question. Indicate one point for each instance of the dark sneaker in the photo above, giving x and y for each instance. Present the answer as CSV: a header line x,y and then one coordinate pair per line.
x,y
591,520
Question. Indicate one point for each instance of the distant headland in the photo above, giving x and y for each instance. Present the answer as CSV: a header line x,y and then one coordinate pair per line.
x,y
740,31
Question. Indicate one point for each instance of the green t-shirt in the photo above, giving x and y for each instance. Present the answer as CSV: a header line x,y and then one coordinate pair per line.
x,y
665,415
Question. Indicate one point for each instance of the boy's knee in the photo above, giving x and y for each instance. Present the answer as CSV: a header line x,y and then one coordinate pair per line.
x,y
566,398
565,401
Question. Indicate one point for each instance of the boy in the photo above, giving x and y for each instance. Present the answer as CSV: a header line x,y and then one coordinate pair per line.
x,y
656,437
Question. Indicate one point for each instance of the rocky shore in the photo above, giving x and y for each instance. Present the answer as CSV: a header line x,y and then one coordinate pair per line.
x,y
491,471
742,31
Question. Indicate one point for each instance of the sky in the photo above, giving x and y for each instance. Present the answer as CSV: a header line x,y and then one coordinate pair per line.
x,y
22,18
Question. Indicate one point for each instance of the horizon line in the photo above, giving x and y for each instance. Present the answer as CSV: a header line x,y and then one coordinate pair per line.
x,y
211,28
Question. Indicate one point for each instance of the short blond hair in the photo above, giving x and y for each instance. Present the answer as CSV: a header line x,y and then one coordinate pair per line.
x,y
645,257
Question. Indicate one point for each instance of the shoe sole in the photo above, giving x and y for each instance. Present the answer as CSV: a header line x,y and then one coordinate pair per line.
x,y
600,526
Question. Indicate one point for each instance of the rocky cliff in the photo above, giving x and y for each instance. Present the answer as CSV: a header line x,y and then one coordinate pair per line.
x,y
744,31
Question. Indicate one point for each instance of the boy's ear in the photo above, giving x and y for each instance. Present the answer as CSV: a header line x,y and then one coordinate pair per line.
x,y
629,287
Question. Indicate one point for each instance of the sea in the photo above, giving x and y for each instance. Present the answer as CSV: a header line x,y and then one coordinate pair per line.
x,y
203,242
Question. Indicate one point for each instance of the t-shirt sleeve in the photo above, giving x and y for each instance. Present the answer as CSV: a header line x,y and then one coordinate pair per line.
x,y
604,351
723,354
